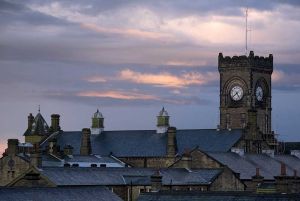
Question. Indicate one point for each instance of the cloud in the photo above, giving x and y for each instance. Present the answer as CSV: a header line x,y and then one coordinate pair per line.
x,y
286,80
168,80
128,32
117,95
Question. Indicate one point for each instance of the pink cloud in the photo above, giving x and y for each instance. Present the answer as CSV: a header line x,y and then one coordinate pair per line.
x,y
168,80
127,32
117,95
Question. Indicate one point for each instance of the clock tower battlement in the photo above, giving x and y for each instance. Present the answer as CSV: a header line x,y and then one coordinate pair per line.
x,y
252,61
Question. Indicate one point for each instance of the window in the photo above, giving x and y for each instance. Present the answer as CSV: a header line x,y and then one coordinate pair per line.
x,y
243,120
266,123
93,165
228,121
102,165
75,165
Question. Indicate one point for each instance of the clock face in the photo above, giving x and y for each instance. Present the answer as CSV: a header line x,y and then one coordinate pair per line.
x,y
259,93
236,93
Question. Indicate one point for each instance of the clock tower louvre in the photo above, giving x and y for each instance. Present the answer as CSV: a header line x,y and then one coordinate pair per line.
x,y
245,84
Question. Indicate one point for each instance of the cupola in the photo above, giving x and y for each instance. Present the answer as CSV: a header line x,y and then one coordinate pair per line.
x,y
97,123
162,121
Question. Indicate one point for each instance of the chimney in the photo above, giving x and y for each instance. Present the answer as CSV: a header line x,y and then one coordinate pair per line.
x,y
257,172
171,146
68,150
12,147
55,123
35,157
156,181
282,170
257,179
186,160
30,121
86,148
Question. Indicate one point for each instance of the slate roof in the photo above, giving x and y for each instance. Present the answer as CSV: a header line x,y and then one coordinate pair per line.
x,y
124,176
39,126
215,196
246,165
58,194
148,143
91,159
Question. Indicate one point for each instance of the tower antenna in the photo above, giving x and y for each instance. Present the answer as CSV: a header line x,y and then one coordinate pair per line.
x,y
246,31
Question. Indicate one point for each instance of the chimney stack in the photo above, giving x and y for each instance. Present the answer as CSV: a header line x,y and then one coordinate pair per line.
x,y
68,150
35,157
257,179
283,170
12,147
171,146
30,121
156,181
186,160
86,148
55,123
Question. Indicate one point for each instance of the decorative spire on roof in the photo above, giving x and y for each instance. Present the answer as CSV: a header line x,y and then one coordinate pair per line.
x,y
162,121
97,123
37,125
163,112
39,111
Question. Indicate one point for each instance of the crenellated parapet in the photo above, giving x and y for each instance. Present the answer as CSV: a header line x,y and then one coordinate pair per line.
x,y
252,61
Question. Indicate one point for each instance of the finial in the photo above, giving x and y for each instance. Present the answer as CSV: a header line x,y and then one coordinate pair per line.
x,y
97,110
39,109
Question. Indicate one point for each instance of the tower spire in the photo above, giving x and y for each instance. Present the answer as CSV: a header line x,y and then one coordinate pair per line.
x,y
39,110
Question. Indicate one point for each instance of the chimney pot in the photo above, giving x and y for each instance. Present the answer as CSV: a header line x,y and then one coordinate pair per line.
x,y
283,170
257,172
55,123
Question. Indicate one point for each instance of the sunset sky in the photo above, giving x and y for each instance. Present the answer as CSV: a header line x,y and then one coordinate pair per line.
x,y
131,58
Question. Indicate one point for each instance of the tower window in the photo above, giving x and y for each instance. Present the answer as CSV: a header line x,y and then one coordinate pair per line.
x,y
243,120
266,123
228,121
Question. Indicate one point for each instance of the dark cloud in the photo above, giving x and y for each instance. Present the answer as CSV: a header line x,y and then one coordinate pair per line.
x,y
16,14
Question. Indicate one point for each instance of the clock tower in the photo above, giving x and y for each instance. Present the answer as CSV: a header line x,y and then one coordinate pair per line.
x,y
245,92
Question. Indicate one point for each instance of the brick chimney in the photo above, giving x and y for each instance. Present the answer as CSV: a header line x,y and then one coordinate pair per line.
x,y
186,160
55,123
171,143
257,179
68,150
35,157
156,181
282,181
12,147
86,148
30,121
282,169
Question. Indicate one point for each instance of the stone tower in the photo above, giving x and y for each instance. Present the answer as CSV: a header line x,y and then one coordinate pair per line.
x,y
162,121
245,85
97,123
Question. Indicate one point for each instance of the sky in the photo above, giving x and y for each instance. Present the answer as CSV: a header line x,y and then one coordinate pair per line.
x,y
131,58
